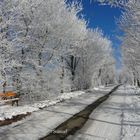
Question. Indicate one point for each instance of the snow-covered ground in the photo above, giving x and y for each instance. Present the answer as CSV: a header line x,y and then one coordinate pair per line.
x,y
41,122
129,89
116,119
131,116
8,111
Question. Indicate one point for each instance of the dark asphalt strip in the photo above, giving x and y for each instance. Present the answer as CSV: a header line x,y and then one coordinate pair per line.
x,y
76,122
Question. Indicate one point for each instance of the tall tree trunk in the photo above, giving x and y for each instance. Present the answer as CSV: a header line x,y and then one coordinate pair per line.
x,y
62,75
17,79
40,72
138,82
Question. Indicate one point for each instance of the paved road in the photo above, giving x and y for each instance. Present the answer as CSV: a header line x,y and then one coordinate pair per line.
x,y
118,118
43,122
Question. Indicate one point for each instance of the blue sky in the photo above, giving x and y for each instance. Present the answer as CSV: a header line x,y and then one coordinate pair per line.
x,y
104,17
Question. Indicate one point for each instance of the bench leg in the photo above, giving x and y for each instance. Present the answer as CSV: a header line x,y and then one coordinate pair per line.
x,y
17,102
13,102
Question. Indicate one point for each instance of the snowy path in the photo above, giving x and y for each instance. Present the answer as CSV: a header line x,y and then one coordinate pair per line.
x,y
42,122
116,119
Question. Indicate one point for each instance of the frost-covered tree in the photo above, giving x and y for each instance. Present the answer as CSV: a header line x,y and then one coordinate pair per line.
x,y
42,37
130,23
114,3
99,58
7,61
51,49
94,54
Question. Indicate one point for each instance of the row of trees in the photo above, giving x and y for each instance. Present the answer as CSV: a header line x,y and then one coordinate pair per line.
x,y
130,24
45,48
